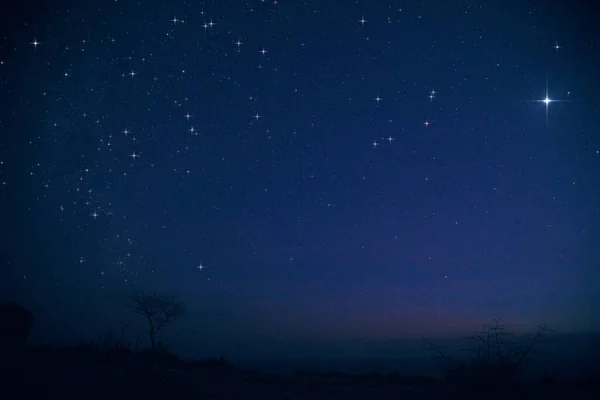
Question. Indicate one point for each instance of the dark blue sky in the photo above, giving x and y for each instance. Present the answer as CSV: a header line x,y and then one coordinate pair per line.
x,y
381,170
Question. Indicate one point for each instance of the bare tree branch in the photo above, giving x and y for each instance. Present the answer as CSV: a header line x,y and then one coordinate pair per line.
x,y
160,310
496,360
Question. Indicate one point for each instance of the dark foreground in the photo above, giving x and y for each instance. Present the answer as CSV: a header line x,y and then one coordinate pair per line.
x,y
48,375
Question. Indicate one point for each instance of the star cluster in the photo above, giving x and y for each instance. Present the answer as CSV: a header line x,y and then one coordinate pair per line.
x,y
359,167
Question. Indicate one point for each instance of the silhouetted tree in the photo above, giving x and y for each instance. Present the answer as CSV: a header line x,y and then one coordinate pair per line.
x,y
497,360
159,310
15,322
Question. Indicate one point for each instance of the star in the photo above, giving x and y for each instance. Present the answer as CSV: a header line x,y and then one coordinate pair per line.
x,y
175,20
432,95
362,20
35,43
238,44
257,116
132,73
427,123
192,131
377,99
263,51
134,155
187,116
556,46
95,214
374,144
126,131
389,138
547,100
200,267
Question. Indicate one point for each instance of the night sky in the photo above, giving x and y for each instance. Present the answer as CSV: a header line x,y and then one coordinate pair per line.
x,y
300,172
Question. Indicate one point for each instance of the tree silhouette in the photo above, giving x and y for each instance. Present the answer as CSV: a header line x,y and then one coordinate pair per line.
x,y
160,310
496,360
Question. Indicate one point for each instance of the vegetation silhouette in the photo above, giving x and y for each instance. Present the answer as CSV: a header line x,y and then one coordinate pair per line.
x,y
16,326
498,358
496,364
159,310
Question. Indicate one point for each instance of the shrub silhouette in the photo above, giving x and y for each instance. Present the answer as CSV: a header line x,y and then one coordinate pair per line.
x,y
16,325
497,361
115,347
220,363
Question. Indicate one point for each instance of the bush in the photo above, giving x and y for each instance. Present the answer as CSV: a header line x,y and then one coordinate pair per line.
x,y
497,362
16,325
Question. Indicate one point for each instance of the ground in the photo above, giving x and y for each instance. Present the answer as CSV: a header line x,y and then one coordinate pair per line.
x,y
47,375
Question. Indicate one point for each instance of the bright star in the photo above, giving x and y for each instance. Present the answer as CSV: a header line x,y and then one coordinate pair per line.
x,y
35,43
547,100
